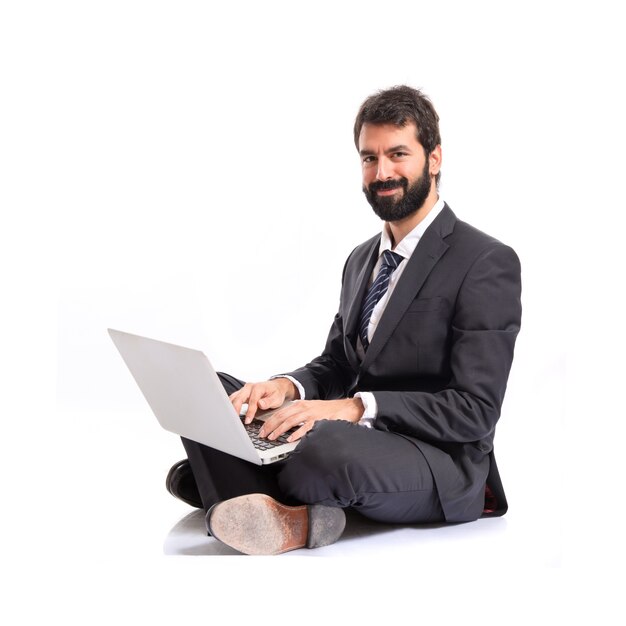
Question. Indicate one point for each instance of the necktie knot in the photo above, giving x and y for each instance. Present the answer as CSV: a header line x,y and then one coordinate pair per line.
x,y
391,259
390,262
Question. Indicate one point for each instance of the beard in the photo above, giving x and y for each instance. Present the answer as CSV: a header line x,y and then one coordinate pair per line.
x,y
390,209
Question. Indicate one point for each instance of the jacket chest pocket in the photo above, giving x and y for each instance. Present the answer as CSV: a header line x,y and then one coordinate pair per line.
x,y
424,305
428,321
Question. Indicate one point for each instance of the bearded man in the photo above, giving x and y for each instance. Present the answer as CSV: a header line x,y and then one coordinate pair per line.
x,y
396,418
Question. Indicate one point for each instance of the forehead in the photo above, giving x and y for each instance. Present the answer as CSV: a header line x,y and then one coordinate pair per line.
x,y
384,136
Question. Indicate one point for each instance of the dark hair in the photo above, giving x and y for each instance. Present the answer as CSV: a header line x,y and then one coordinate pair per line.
x,y
400,106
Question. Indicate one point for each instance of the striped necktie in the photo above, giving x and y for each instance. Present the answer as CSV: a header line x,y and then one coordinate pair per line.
x,y
391,260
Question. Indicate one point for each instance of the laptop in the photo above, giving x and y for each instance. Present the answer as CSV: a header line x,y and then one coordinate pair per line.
x,y
188,399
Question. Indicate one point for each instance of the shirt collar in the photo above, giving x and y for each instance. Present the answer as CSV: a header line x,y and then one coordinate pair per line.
x,y
407,246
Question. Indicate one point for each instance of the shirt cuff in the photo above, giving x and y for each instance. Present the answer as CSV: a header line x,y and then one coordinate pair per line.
x,y
299,387
371,408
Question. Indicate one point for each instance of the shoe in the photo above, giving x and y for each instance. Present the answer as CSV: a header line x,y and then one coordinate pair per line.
x,y
258,524
182,485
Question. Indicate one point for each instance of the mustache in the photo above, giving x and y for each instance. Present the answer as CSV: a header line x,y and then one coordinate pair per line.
x,y
384,185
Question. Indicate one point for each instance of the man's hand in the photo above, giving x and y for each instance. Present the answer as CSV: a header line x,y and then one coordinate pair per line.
x,y
306,412
266,395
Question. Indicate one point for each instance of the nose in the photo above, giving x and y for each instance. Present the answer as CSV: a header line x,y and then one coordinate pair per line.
x,y
383,169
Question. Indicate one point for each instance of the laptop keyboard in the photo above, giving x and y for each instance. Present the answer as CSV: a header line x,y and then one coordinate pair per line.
x,y
265,444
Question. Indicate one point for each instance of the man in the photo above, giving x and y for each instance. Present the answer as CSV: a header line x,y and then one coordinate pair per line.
x,y
396,418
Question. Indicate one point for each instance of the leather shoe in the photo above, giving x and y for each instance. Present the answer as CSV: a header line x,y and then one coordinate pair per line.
x,y
258,524
181,483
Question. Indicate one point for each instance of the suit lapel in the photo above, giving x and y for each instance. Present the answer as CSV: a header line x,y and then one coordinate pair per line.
x,y
426,255
354,311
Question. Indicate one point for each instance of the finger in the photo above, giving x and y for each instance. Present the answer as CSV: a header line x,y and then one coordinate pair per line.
x,y
272,400
300,432
256,394
277,418
300,429
284,420
240,397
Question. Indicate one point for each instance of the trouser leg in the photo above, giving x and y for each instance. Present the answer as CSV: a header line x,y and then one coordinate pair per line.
x,y
220,476
381,474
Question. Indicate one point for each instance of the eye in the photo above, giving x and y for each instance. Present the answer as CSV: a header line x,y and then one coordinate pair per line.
x,y
369,159
400,155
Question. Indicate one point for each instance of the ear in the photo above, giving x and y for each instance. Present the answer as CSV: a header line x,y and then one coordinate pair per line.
x,y
434,161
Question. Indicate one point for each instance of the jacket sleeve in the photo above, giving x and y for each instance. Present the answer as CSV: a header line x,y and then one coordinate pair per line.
x,y
485,324
330,375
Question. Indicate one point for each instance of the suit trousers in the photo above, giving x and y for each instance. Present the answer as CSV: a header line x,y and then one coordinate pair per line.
x,y
378,473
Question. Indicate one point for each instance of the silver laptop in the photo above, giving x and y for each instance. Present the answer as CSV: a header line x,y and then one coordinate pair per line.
x,y
188,399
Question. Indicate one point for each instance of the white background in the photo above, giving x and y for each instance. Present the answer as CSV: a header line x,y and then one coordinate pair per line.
x,y
186,170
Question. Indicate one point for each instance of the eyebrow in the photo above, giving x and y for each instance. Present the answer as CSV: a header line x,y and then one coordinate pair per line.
x,y
393,149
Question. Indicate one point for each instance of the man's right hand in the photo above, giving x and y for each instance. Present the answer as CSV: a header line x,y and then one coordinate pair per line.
x,y
269,394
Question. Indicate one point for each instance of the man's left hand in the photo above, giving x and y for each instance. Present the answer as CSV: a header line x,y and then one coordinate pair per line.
x,y
306,412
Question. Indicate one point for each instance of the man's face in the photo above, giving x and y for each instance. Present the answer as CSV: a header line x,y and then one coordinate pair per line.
x,y
396,172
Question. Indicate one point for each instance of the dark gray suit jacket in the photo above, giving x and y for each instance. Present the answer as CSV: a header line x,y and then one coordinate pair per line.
x,y
439,361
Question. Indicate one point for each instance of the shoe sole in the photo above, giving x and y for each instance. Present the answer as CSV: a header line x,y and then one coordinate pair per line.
x,y
258,524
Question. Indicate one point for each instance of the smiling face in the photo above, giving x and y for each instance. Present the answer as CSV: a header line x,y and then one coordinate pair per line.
x,y
398,177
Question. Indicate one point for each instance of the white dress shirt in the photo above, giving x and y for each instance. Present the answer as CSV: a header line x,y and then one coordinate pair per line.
x,y
405,249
